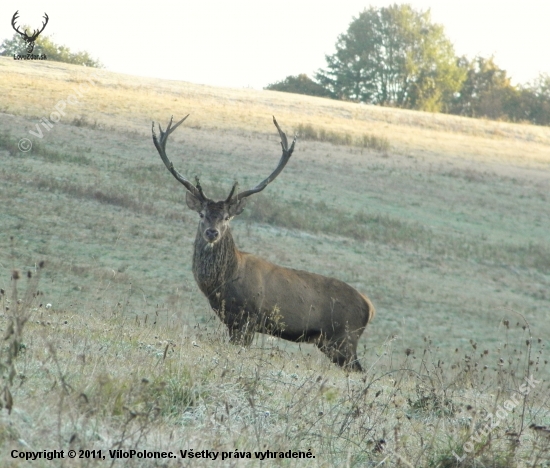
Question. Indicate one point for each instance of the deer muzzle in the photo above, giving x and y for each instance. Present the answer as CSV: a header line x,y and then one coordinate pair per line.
x,y
211,235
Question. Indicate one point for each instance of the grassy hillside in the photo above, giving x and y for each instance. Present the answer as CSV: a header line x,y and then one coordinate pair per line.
x,y
442,221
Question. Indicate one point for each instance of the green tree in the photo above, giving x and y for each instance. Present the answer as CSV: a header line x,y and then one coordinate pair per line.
x,y
44,45
487,91
534,101
300,84
393,56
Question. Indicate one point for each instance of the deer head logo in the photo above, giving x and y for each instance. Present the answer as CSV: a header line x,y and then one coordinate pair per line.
x,y
28,39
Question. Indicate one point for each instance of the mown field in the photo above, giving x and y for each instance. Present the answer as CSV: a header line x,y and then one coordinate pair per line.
x,y
442,221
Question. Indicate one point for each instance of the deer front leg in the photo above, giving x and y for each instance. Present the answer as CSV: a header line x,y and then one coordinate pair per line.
x,y
241,330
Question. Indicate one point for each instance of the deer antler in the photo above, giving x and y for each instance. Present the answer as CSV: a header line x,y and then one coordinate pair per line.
x,y
160,144
36,31
196,189
24,34
13,20
287,152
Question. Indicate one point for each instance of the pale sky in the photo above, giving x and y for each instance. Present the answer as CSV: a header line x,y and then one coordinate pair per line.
x,y
251,43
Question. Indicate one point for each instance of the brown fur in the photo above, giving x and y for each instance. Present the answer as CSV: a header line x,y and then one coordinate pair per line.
x,y
251,295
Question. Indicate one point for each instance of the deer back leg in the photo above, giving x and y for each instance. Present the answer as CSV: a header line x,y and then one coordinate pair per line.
x,y
341,352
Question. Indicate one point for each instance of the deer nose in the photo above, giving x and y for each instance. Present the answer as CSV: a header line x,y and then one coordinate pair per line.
x,y
212,234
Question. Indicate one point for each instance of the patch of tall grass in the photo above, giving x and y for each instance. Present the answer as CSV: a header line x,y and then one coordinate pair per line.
x,y
374,142
386,229
44,152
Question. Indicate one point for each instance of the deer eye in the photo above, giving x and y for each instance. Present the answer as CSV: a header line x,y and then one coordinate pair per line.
x,y
227,218
201,215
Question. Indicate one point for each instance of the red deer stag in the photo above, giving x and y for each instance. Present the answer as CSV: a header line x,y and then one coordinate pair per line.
x,y
251,295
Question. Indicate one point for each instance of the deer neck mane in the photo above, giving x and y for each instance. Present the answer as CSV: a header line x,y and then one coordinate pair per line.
x,y
214,265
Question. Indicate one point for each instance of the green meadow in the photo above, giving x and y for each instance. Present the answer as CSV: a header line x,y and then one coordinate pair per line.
x,y
442,221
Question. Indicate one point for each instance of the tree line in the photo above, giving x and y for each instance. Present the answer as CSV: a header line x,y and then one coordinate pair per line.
x,y
44,45
396,56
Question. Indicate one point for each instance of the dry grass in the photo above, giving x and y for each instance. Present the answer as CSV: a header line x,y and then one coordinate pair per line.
x,y
309,132
129,103
109,382
446,230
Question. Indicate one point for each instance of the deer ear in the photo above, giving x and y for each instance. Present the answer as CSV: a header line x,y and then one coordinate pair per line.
x,y
236,207
193,202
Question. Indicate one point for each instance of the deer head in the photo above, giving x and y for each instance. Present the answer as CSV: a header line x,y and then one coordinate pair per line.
x,y
216,215
28,39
